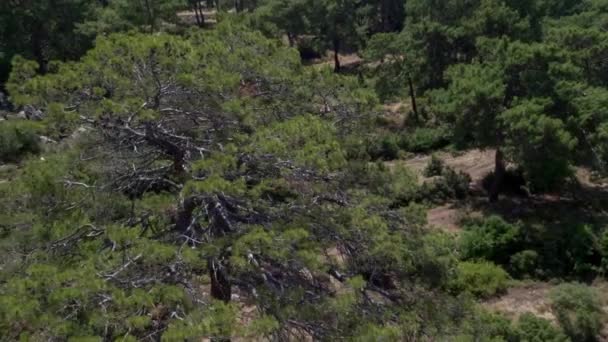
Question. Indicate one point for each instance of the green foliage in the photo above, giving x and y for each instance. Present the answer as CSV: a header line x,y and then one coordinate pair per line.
x,y
312,139
434,167
535,329
603,246
398,183
42,30
385,147
491,239
124,15
425,139
437,261
214,158
524,263
543,146
578,310
482,279
451,185
18,139
487,326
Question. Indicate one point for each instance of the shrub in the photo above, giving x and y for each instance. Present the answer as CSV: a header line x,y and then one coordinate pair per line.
x,y
524,263
425,139
434,167
452,185
456,182
484,325
17,139
578,310
397,183
492,239
535,329
385,148
482,279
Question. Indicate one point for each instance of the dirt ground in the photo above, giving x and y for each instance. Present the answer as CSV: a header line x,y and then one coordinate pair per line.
x,y
532,298
347,61
446,217
477,163
188,17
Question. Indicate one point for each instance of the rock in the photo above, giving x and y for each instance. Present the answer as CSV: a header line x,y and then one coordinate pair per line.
x,y
46,140
21,115
33,113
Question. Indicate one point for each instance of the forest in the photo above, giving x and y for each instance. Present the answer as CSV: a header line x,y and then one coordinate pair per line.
x,y
304,170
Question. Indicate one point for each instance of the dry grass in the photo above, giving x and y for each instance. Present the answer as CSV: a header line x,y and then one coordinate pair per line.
x,y
532,298
446,217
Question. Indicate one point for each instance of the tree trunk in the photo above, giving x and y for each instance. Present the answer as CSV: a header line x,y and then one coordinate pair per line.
x,y
291,38
220,288
220,285
385,16
39,44
499,175
336,56
150,15
413,97
200,17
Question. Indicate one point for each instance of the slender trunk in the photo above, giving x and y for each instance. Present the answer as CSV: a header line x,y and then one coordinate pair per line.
x,y
413,97
291,39
150,15
499,175
385,16
220,288
39,39
220,285
336,56
200,17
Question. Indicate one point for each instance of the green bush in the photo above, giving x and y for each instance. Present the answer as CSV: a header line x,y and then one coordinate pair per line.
x,y
452,185
434,167
491,239
523,264
385,148
395,184
482,279
535,329
578,310
456,182
17,139
484,325
425,139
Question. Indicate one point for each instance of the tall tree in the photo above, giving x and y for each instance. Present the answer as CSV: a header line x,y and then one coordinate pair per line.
x,y
42,30
508,102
